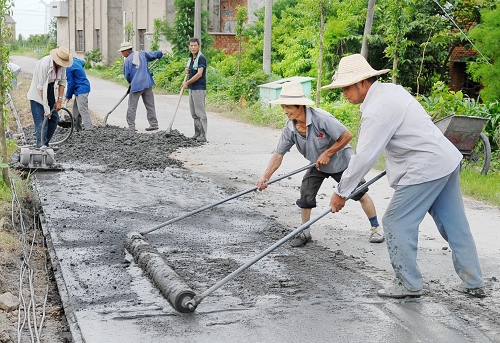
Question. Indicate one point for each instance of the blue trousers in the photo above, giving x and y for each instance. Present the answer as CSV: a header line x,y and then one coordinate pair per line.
x,y
38,115
442,199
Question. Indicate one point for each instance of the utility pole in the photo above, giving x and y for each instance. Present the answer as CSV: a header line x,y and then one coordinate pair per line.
x,y
268,26
368,28
47,16
197,19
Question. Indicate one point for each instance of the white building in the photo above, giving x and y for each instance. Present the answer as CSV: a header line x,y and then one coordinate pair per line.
x,y
83,25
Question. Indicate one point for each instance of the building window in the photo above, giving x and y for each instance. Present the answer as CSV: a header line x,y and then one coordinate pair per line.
x,y
141,38
98,39
79,40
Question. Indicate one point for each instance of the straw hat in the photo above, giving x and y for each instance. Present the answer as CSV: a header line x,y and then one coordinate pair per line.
x,y
352,69
61,56
292,94
125,46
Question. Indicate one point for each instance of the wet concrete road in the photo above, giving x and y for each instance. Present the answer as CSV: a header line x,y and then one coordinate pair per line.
x,y
323,293
295,295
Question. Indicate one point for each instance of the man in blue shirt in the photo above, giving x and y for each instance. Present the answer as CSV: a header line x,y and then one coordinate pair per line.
x,y
140,78
79,85
196,68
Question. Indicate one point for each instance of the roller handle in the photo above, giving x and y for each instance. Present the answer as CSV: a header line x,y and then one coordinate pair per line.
x,y
198,298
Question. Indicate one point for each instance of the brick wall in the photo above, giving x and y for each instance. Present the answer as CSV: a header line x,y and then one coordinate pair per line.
x,y
225,41
457,75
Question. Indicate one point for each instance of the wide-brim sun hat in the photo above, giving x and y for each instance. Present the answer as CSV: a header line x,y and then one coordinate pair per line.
x,y
352,69
292,93
125,46
61,56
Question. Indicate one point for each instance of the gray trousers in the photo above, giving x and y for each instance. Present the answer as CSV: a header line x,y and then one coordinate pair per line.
x,y
197,104
81,112
442,199
149,102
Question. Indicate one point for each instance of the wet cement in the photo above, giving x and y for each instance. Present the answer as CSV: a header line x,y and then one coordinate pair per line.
x,y
293,295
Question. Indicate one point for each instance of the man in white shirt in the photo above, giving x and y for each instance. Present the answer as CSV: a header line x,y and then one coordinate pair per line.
x,y
49,70
422,166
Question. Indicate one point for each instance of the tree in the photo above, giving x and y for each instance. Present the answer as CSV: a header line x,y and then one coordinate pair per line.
x,y
5,82
129,32
485,36
241,18
368,28
396,19
182,29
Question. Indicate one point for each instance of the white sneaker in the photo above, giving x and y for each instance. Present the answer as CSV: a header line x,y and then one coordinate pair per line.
x,y
397,290
376,235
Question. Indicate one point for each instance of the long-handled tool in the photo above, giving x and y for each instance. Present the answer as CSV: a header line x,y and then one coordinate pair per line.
x,y
105,121
176,291
190,306
143,232
169,129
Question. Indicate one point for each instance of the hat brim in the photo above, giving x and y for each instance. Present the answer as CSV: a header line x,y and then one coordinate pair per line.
x,y
60,61
344,81
125,48
292,101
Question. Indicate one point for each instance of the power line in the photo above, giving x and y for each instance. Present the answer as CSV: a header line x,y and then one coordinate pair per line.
x,y
463,33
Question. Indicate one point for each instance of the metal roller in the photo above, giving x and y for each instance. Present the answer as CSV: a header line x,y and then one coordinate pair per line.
x,y
171,285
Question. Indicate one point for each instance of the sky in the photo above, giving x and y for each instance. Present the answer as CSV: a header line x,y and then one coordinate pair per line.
x,y
29,16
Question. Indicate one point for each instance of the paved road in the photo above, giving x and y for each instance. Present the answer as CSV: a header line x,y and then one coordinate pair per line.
x,y
108,300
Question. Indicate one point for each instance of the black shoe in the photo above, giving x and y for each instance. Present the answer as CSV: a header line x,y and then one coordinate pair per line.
x,y
152,128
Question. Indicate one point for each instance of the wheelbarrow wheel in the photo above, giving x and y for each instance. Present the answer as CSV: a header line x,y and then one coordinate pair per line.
x,y
479,158
65,127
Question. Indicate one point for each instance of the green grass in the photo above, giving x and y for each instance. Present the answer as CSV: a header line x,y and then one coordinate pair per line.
x,y
481,187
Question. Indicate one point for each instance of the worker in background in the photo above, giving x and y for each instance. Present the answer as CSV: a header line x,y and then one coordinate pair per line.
x,y
79,86
49,70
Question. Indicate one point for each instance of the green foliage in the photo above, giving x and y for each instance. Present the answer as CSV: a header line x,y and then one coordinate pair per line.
x,y
484,34
171,76
157,29
345,112
5,83
92,57
129,31
183,28
241,18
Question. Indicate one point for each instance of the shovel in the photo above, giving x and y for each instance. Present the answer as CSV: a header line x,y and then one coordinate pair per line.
x,y
169,129
105,121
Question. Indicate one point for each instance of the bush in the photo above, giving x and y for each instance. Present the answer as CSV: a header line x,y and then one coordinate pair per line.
x,y
92,58
171,76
